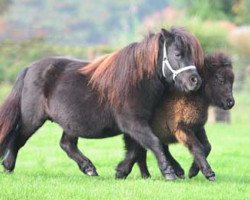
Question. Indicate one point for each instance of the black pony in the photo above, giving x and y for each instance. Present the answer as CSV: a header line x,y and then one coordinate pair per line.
x,y
113,94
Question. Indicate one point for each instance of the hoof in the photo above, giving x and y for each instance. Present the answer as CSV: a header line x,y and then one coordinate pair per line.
x,y
7,168
180,173
89,170
120,175
169,173
211,176
181,176
91,173
145,176
170,177
193,172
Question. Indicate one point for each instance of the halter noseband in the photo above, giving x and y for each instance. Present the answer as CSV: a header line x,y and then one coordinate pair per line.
x,y
165,63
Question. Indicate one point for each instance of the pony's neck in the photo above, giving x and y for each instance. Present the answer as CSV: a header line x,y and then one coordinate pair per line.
x,y
156,84
152,91
203,93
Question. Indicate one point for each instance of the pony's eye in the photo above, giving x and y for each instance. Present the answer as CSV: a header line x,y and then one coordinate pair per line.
x,y
227,64
178,54
214,65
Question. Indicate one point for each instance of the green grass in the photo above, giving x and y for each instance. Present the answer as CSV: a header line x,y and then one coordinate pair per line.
x,y
43,170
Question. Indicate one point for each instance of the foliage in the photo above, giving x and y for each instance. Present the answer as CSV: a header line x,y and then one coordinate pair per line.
x,y
84,22
239,40
15,56
220,9
233,10
210,33
241,9
72,28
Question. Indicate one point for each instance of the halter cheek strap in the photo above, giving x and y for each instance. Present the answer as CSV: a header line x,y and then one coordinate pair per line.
x,y
165,63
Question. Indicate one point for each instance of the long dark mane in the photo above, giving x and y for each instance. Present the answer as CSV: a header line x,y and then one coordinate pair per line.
x,y
115,75
187,41
217,59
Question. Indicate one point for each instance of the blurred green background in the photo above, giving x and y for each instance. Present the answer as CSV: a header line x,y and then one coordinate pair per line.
x,y
31,29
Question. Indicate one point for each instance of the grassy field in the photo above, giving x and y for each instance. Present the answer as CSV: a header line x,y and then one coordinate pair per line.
x,y
43,170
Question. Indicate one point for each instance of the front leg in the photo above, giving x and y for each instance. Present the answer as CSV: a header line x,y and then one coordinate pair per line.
x,y
177,167
188,138
141,132
202,137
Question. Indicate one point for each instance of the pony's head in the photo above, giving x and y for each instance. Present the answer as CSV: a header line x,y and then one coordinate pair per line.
x,y
180,55
218,80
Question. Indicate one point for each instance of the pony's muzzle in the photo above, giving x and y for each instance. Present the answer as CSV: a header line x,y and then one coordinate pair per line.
x,y
230,103
194,82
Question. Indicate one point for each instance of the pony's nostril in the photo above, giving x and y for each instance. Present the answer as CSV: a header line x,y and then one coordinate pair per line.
x,y
194,80
230,103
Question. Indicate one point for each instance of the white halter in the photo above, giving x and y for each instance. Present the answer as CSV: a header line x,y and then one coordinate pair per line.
x,y
165,63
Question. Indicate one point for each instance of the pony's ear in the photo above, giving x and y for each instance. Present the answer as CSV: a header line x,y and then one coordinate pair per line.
x,y
166,34
226,60
210,63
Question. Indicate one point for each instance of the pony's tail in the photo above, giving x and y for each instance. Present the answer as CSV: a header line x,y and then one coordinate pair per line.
x,y
10,113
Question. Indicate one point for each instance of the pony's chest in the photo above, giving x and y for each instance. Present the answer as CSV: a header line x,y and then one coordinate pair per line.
x,y
176,111
190,111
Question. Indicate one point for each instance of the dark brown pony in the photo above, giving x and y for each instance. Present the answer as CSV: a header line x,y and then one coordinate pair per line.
x,y
113,94
181,117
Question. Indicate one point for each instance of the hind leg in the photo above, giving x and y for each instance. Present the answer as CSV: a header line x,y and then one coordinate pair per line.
x,y
177,167
18,141
134,153
33,116
142,163
69,145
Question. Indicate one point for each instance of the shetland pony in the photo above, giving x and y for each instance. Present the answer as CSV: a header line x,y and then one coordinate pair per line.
x,y
114,94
